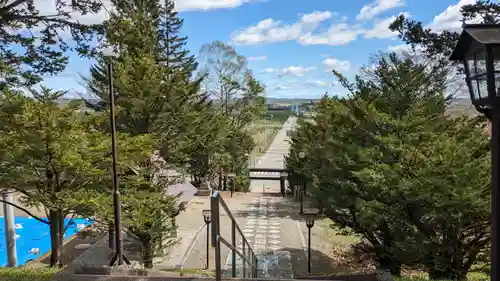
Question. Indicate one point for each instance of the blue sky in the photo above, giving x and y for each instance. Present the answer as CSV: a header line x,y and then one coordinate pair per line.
x,y
292,45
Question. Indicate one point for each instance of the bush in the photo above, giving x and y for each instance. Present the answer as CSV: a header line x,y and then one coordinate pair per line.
x,y
27,274
388,164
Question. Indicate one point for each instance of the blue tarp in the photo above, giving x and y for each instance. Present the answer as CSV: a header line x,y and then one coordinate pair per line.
x,y
33,238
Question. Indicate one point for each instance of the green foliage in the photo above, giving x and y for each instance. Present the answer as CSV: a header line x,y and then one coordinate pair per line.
x,y
152,78
387,164
239,98
52,156
278,115
442,44
32,42
148,213
27,274
155,98
229,80
177,57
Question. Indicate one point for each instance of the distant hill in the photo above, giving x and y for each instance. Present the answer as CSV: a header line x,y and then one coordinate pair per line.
x,y
461,106
288,101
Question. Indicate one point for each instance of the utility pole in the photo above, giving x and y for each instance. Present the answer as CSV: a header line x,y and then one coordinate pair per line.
x,y
10,229
265,129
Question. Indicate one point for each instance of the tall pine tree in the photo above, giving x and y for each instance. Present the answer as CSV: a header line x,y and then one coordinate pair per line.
x,y
153,77
176,57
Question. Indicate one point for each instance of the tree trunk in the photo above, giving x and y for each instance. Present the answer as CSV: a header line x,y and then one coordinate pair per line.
x,y
392,265
111,237
147,254
448,273
62,229
55,237
220,180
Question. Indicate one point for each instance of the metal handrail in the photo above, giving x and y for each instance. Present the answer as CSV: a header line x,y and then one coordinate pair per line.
x,y
216,201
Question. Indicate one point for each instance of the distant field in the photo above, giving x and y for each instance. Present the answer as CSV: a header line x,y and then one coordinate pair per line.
x,y
263,133
279,116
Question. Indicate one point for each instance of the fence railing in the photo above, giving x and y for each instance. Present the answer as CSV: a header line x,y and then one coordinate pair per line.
x,y
247,254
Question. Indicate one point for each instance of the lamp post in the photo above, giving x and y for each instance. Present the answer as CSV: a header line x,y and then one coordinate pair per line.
x,y
296,189
110,54
232,176
302,191
249,162
283,176
478,48
207,217
310,217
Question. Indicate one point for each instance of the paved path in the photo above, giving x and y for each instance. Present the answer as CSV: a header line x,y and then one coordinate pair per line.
x,y
269,223
272,231
274,158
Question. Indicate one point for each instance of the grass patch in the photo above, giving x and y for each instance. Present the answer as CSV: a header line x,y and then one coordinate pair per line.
x,y
191,272
264,133
341,242
336,237
27,274
472,276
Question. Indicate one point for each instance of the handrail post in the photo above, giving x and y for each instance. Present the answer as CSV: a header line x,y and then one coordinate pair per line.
x,y
233,242
214,207
248,254
244,262
256,266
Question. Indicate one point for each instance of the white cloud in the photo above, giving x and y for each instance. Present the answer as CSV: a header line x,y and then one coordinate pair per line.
x,y
187,5
257,58
404,49
316,17
450,19
333,63
399,48
295,85
284,87
380,29
270,30
369,11
48,7
295,71
337,34
316,83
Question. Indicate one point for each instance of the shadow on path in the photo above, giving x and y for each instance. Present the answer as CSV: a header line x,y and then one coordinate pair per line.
x,y
285,208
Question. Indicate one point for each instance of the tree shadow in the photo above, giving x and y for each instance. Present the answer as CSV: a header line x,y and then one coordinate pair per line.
x,y
69,251
292,263
285,207
321,264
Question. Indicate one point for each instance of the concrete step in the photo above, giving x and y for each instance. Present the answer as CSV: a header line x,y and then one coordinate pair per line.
x,y
276,265
203,192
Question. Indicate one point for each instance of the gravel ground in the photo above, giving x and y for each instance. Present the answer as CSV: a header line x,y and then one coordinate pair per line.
x,y
190,222
330,250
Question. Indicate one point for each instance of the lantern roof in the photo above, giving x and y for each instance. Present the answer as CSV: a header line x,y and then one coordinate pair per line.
x,y
484,34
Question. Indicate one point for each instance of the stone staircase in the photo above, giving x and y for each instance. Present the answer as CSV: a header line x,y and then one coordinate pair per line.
x,y
263,231
277,265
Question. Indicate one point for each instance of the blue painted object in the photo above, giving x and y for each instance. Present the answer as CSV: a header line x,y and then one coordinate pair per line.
x,y
31,235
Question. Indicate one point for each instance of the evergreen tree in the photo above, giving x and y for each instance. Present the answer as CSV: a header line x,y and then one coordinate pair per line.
x,y
239,100
389,165
441,44
55,159
167,92
31,41
176,57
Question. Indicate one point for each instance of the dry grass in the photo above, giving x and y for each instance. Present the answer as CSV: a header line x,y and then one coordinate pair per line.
x,y
341,243
264,135
27,274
